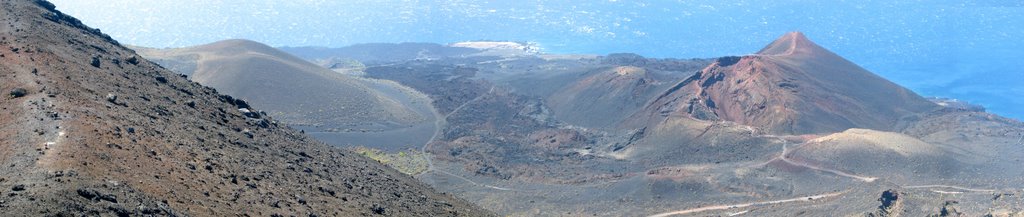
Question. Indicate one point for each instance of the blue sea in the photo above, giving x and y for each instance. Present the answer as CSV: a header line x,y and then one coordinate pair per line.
x,y
968,50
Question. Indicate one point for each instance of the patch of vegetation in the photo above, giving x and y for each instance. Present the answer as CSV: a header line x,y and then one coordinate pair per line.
x,y
409,162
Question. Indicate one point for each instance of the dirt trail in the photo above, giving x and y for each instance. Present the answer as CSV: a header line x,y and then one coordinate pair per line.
x,y
475,183
739,213
439,124
836,172
785,151
951,187
744,205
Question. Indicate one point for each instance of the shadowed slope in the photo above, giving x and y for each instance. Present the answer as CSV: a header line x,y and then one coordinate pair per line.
x,y
605,98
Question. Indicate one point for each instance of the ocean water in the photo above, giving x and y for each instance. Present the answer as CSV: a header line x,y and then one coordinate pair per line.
x,y
969,50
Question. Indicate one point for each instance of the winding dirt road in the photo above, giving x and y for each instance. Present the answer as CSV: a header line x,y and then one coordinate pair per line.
x,y
836,172
951,187
785,151
439,124
744,205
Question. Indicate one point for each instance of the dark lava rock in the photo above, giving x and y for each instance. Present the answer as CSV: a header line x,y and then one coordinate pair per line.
x,y
87,194
242,104
728,61
18,92
378,209
96,195
949,209
95,62
891,203
46,4
108,197
132,60
111,98
18,187
249,113
888,198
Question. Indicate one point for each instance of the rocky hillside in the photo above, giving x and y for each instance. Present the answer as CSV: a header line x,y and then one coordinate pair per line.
x,y
89,127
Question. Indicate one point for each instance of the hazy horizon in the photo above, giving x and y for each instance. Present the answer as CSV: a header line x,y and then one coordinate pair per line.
x,y
962,50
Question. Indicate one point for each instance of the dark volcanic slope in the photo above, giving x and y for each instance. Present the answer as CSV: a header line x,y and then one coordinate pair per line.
x,y
611,94
292,89
100,130
793,86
